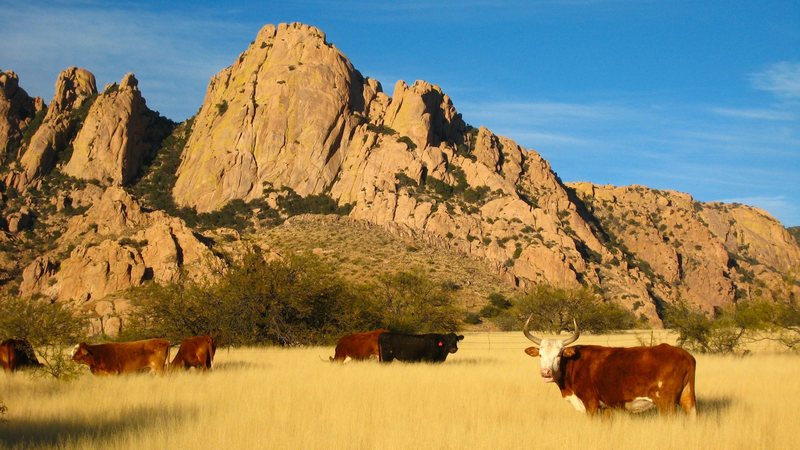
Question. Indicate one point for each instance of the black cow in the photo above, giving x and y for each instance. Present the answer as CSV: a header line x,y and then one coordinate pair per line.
x,y
417,347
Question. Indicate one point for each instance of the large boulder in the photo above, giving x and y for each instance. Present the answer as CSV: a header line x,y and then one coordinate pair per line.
x,y
110,146
275,116
17,109
75,88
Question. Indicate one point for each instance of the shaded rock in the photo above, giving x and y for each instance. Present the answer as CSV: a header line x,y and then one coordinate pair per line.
x,y
110,146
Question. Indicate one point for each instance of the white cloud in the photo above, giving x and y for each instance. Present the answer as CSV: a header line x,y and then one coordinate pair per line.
x,y
754,113
781,78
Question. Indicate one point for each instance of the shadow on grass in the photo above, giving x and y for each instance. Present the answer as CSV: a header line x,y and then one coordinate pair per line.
x,y
713,406
56,431
237,365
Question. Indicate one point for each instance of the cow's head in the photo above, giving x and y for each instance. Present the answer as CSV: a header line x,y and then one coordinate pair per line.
x,y
550,351
80,353
449,342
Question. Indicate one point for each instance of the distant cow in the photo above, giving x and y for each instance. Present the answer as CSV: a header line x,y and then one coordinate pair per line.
x,y
17,354
123,357
636,379
197,351
358,346
417,347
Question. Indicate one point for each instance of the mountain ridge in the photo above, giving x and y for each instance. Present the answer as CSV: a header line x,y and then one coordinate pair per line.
x,y
293,117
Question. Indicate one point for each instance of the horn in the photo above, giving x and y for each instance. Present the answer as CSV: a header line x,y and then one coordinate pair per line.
x,y
527,333
574,336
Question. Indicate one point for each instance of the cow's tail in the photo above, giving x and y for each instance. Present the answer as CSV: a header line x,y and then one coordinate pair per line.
x,y
688,399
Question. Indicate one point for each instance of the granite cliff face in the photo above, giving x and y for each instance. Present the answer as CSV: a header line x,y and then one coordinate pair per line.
x,y
75,88
292,116
110,147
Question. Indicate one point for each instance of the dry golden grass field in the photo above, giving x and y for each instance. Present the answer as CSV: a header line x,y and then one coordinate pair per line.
x,y
486,396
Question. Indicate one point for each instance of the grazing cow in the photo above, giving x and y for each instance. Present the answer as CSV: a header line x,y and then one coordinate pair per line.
x,y
358,346
17,354
591,377
197,351
123,357
417,347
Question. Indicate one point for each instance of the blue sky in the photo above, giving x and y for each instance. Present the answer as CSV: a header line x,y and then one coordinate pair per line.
x,y
697,96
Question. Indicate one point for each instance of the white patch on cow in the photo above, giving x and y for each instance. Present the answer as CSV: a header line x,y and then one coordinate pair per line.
x,y
639,404
575,402
660,383
75,350
550,357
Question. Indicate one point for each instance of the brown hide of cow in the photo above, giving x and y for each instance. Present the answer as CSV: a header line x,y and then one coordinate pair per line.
x,y
17,354
613,376
197,351
123,357
358,346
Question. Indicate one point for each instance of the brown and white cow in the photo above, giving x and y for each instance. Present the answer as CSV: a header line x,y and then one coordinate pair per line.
x,y
17,354
358,346
197,351
123,357
636,379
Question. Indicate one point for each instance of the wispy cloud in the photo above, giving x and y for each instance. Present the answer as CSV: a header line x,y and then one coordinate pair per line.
x,y
781,78
754,113
161,47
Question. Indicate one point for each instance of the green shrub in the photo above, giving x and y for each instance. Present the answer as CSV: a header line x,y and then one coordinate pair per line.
x,y
51,328
296,301
553,310
222,107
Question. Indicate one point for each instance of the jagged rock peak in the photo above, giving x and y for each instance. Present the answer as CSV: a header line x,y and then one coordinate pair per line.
x,y
73,87
129,81
110,147
277,115
17,108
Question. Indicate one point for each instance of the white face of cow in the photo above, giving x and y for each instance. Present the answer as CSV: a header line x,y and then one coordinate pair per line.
x,y
550,358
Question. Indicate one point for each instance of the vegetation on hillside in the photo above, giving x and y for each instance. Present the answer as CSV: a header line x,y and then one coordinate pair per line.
x,y
296,301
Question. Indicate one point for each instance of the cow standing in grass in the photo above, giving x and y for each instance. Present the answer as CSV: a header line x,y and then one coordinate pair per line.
x,y
17,354
197,352
636,379
417,347
359,346
123,357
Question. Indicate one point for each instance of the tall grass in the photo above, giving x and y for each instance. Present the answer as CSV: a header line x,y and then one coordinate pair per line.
x,y
488,395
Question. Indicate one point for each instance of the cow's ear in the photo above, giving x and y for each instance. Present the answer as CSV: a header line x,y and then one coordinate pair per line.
x,y
569,352
532,351
460,337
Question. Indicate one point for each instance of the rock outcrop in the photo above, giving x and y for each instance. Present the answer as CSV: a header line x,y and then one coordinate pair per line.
x,y
17,110
75,88
277,115
293,113
293,116
115,246
110,146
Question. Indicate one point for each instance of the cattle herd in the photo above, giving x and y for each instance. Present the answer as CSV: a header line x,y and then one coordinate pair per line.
x,y
590,377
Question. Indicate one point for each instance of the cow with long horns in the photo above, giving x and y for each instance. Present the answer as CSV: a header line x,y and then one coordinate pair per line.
x,y
636,379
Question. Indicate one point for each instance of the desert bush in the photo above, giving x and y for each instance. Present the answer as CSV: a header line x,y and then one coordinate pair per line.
x,y
727,331
51,327
553,310
412,303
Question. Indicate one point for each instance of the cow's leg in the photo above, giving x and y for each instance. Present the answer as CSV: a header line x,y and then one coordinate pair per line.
x,y
687,401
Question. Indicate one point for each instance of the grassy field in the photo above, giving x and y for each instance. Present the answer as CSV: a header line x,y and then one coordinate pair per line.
x,y
486,396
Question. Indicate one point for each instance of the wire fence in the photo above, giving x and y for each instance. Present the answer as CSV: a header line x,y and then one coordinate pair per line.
x,y
515,340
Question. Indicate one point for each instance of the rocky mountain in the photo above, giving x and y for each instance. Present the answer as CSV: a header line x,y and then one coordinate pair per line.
x,y
291,118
